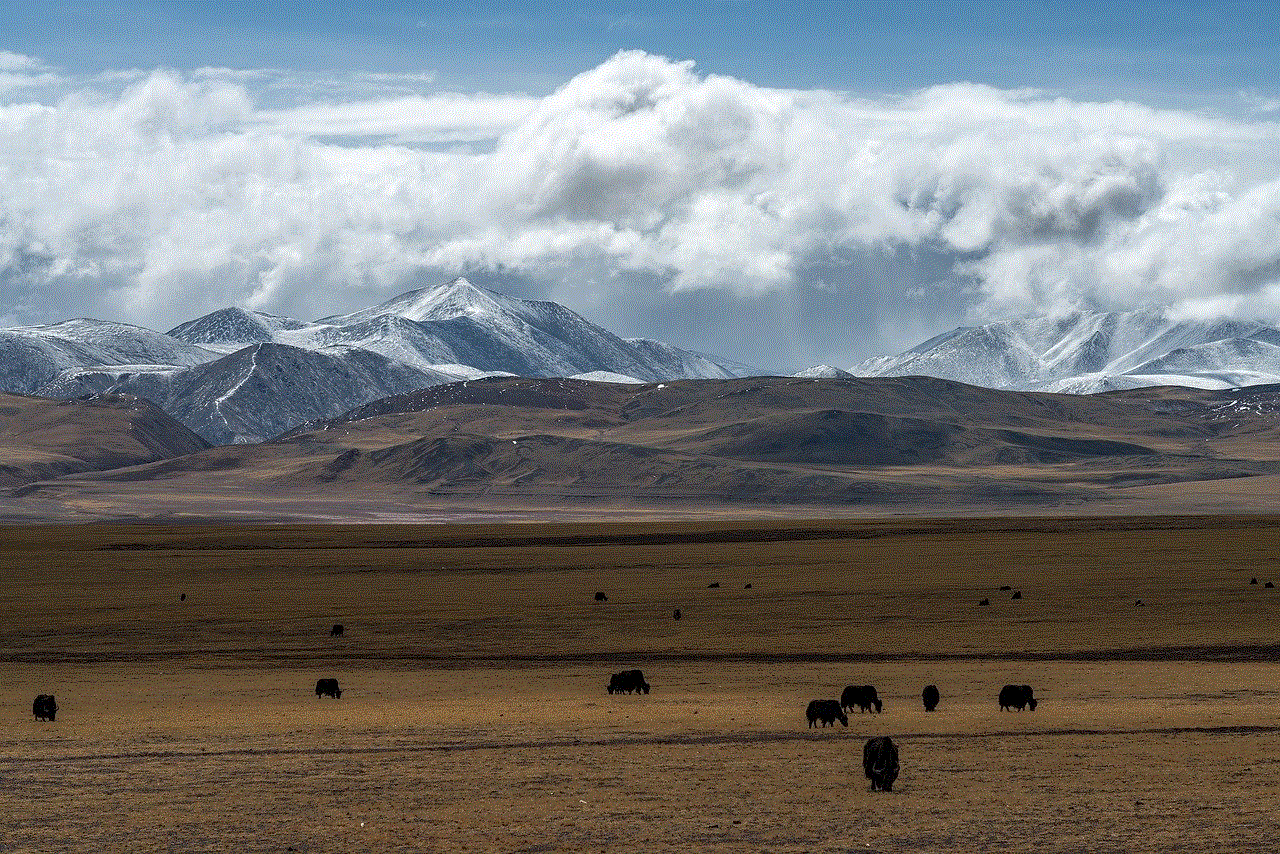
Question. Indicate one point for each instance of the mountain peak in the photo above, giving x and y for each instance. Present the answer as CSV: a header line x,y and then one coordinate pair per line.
x,y
455,298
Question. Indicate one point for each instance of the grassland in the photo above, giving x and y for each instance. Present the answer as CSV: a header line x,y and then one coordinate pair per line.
x,y
474,716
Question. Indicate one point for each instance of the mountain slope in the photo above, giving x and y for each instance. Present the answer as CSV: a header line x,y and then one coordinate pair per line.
x,y
41,438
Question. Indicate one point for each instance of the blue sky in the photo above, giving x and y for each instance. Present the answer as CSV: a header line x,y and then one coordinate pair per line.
x,y
1188,54
782,183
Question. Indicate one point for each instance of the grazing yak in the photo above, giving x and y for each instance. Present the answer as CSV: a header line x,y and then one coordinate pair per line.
x,y
930,696
1006,587
827,711
45,708
1017,594
182,598
336,631
675,615
1253,581
328,688
628,681
880,762
1017,697
1269,585
600,597
985,602
862,696
713,584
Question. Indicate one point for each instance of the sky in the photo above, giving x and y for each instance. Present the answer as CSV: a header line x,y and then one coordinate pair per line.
x,y
784,184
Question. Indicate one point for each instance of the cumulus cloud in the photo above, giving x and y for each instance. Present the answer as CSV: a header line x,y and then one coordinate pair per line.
x,y
161,195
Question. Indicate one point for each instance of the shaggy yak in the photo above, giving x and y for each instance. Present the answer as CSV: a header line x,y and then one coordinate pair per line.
x,y
930,696
1017,697
880,762
328,688
337,630
827,711
862,696
45,708
628,681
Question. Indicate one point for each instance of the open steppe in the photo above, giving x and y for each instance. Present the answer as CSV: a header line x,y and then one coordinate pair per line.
x,y
474,715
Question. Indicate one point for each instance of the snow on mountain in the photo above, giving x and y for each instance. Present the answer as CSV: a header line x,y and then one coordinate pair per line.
x,y
1087,352
607,377
32,356
241,375
264,389
231,329
823,372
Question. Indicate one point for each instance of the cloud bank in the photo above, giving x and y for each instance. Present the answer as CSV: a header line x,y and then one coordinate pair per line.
x,y
154,196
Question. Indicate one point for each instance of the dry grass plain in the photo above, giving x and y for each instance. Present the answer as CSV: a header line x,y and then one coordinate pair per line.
x,y
474,716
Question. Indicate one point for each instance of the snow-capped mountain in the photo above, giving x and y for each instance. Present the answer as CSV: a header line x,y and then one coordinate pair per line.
x,y
1088,352
823,372
237,375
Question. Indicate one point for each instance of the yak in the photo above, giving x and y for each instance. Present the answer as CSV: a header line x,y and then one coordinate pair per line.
x,y
1017,594
328,688
862,696
45,708
337,630
880,762
1017,697
628,681
930,697
675,615
826,711
985,602
600,597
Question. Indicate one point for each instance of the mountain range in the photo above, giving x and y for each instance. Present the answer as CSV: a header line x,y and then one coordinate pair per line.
x,y
1088,352
236,375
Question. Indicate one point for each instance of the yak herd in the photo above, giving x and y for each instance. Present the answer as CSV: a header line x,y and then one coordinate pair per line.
x,y
879,754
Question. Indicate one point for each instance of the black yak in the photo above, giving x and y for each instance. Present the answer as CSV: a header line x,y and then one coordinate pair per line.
x,y
1269,585
1006,587
713,584
45,708
328,688
826,711
336,631
862,696
675,615
628,681
880,762
1016,595
1017,697
985,602
930,697
600,597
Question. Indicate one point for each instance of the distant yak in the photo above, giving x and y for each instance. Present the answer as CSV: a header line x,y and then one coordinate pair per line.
x,y
328,688
1269,585
1017,595
826,711
627,682
1005,587
675,615
1138,603
600,597
45,708
880,762
746,586
336,631
713,584
182,598
985,602
862,696
1253,581
930,696
1017,697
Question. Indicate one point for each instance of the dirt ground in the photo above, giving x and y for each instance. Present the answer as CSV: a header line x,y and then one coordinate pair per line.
x,y
474,716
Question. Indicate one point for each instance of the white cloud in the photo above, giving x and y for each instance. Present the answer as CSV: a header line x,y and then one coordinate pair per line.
x,y
169,195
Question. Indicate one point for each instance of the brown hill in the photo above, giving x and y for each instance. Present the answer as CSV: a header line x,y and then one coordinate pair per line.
x,y
42,438
914,443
